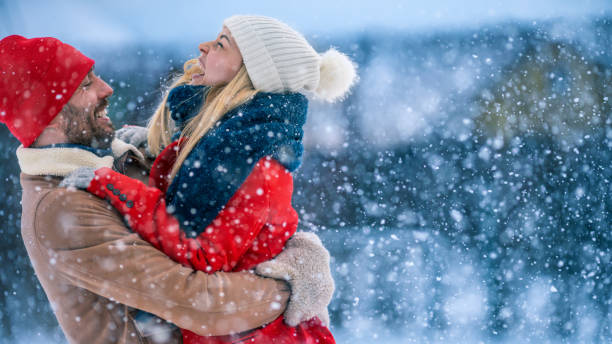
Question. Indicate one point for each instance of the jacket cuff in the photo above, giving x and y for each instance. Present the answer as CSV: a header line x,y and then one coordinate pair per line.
x,y
129,196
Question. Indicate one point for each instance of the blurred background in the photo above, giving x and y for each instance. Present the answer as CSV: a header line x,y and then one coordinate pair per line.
x,y
463,189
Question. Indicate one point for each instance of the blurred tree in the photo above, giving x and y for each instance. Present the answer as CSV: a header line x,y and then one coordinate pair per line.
x,y
551,89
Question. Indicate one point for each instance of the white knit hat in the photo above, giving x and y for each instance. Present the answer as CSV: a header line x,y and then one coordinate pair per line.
x,y
279,59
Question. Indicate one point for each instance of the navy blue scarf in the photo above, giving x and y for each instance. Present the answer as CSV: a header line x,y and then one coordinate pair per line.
x,y
97,151
268,125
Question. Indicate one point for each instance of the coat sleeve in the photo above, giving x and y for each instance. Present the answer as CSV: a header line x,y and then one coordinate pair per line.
x,y
89,246
282,220
218,247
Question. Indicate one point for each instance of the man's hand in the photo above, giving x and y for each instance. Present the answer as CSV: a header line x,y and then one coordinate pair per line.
x,y
304,263
79,178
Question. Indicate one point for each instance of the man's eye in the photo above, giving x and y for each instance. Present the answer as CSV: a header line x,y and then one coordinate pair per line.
x,y
219,44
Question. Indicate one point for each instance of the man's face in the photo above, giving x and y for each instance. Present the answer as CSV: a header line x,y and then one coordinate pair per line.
x,y
84,118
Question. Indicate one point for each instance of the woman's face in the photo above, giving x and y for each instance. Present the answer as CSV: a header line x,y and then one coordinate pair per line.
x,y
220,60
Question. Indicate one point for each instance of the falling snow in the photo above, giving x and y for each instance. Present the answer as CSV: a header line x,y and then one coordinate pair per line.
x,y
463,190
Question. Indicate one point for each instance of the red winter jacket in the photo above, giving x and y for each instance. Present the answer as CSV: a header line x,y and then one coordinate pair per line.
x,y
252,228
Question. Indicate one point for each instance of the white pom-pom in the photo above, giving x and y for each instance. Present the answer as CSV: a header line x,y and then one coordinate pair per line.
x,y
338,74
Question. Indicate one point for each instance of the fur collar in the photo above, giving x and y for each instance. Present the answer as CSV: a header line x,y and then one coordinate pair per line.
x,y
62,161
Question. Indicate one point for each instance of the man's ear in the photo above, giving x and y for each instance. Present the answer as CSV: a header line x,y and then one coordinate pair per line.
x,y
53,132
57,122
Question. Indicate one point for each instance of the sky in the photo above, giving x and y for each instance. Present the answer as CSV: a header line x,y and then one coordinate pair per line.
x,y
120,21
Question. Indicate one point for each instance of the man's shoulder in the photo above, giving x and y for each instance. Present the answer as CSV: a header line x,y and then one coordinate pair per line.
x,y
61,203
47,193
71,200
46,189
63,215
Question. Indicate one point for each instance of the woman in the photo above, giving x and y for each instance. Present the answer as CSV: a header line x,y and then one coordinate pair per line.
x,y
226,176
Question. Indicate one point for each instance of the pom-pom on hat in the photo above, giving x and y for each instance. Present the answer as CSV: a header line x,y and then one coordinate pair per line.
x,y
279,59
37,78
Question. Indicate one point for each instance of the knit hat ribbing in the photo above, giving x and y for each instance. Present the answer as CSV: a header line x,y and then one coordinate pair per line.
x,y
37,78
279,59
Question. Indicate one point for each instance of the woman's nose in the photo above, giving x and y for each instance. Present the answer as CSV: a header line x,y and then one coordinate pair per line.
x,y
204,47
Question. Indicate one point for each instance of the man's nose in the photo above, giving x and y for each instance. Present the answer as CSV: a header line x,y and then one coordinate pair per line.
x,y
105,89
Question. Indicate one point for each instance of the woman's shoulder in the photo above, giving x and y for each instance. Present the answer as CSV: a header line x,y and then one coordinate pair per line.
x,y
268,171
269,165
273,172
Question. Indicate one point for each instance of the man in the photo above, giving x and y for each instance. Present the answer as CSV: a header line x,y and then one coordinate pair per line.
x,y
95,272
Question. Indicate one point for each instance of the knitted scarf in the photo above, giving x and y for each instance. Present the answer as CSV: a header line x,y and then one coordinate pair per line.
x,y
268,125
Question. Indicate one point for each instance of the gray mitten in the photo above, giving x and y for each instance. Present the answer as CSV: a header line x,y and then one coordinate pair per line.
x,y
132,134
136,136
79,178
304,263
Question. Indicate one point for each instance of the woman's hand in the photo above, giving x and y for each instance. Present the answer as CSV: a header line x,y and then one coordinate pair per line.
x,y
79,178
133,134
136,136
304,263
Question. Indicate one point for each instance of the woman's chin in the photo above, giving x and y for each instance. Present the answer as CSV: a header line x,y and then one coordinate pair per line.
x,y
197,80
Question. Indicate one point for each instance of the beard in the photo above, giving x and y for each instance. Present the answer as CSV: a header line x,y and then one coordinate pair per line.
x,y
81,126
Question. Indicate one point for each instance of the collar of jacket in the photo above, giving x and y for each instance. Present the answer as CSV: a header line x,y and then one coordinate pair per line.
x,y
62,160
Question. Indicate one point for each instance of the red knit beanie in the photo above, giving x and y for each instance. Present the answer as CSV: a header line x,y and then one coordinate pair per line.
x,y
37,78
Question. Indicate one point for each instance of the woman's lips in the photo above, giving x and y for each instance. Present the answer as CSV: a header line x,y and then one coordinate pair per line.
x,y
202,67
197,76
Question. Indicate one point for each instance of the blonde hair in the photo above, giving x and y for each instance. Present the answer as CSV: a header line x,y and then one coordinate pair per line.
x,y
220,100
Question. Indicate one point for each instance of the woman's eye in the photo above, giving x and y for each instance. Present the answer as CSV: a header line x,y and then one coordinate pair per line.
x,y
219,44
